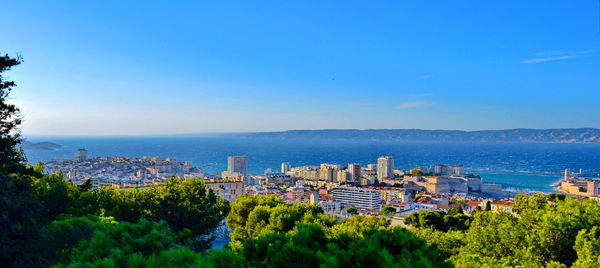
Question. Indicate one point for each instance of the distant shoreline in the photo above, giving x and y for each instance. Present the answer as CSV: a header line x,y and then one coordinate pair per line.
x,y
519,135
565,135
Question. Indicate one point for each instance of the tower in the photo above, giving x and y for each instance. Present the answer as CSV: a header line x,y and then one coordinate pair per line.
x,y
355,172
385,167
81,155
285,167
237,164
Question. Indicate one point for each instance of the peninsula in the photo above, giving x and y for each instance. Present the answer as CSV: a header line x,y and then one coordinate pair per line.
x,y
563,135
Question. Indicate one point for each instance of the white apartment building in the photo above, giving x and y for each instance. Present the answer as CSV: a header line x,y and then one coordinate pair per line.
x,y
385,167
360,198
237,164
285,167
81,155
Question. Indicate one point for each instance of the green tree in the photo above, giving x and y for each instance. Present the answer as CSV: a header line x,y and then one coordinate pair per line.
x,y
252,216
439,220
587,246
488,206
426,219
188,204
20,229
527,202
240,210
555,197
552,229
543,234
458,210
149,244
65,234
55,195
388,211
173,257
309,246
457,222
492,239
114,245
448,243
185,204
11,157
352,211
356,226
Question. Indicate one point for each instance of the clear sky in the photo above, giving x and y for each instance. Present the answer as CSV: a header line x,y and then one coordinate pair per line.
x,y
150,67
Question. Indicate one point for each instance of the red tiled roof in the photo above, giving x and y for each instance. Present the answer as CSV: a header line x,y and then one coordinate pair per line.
x,y
473,203
424,199
502,203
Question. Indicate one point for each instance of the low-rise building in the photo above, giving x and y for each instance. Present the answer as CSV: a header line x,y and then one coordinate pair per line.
x,y
228,189
399,206
501,205
448,169
589,187
388,194
471,206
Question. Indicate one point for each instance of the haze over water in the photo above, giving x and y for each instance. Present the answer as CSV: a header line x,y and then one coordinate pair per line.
x,y
211,153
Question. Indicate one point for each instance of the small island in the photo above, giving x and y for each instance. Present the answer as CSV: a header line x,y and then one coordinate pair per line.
x,y
40,146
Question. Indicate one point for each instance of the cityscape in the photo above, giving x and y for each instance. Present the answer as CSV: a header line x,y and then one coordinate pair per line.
x,y
300,134
334,187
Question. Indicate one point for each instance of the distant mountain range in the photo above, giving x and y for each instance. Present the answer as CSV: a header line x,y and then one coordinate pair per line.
x,y
565,135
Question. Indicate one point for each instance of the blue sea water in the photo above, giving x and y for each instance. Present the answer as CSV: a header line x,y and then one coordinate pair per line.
x,y
211,153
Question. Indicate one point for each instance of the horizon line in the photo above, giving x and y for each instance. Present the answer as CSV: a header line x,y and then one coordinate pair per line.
x,y
276,131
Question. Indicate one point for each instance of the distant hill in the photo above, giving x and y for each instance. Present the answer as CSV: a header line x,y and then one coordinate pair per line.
x,y
42,146
567,135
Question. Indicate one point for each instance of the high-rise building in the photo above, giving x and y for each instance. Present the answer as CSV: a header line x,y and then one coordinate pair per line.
x,y
81,155
343,176
312,175
237,164
285,167
385,167
372,166
355,172
327,173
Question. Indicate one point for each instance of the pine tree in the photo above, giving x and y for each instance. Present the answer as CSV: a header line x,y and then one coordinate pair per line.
x,y
10,155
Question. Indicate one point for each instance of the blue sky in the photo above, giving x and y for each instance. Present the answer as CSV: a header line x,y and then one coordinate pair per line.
x,y
150,67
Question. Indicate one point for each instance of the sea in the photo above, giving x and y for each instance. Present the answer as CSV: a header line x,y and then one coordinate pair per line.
x,y
211,153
